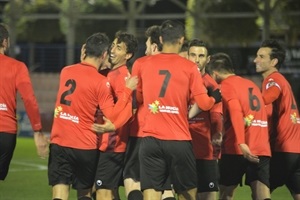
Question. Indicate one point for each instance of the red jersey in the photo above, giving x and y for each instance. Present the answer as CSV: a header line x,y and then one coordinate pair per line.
x,y
245,118
285,130
166,84
116,142
81,91
14,77
138,120
201,126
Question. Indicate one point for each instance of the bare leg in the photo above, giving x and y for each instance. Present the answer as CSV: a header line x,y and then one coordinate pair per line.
x,y
207,195
130,185
151,194
226,192
296,196
104,194
60,191
188,195
167,194
260,190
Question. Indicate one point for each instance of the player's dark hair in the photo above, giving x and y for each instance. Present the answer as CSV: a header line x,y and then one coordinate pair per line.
x,y
3,33
96,45
171,31
220,62
277,51
197,43
153,32
129,40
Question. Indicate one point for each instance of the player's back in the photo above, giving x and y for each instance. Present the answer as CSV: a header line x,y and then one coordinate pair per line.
x,y
80,92
254,113
12,73
167,83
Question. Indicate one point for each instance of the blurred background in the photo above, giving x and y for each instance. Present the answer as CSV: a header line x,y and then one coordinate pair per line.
x,y
47,34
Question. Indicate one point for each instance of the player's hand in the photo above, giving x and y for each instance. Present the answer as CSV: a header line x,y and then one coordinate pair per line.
x,y
131,82
216,139
216,94
247,153
42,144
108,126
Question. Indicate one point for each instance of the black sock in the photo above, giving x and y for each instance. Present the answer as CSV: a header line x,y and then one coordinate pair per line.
x,y
135,195
170,198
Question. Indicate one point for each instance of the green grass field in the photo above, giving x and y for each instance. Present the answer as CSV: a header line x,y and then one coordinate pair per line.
x,y
27,178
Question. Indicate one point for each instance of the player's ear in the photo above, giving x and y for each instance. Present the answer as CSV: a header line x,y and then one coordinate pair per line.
x,y
181,40
161,39
128,56
5,44
208,59
274,62
104,55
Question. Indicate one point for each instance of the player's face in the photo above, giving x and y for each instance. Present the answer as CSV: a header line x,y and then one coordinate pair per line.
x,y
263,61
199,56
151,49
118,53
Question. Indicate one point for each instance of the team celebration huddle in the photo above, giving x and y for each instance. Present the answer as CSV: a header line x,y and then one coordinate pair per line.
x,y
175,126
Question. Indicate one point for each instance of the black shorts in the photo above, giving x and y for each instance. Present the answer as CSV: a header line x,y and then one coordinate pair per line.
x,y
109,170
161,158
7,147
233,167
132,162
208,175
70,166
285,170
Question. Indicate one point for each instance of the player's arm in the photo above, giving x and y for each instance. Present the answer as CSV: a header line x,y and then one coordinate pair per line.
x,y
216,120
121,112
194,110
25,89
237,120
138,94
271,94
206,102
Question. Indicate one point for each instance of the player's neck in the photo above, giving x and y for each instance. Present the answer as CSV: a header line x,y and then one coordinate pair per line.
x,y
2,51
118,65
225,76
92,61
171,48
270,71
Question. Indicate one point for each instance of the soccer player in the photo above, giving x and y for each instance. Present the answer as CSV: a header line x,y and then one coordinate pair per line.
x,y
113,145
14,77
132,164
245,146
166,82
74,142
284,118
206,128
184,49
